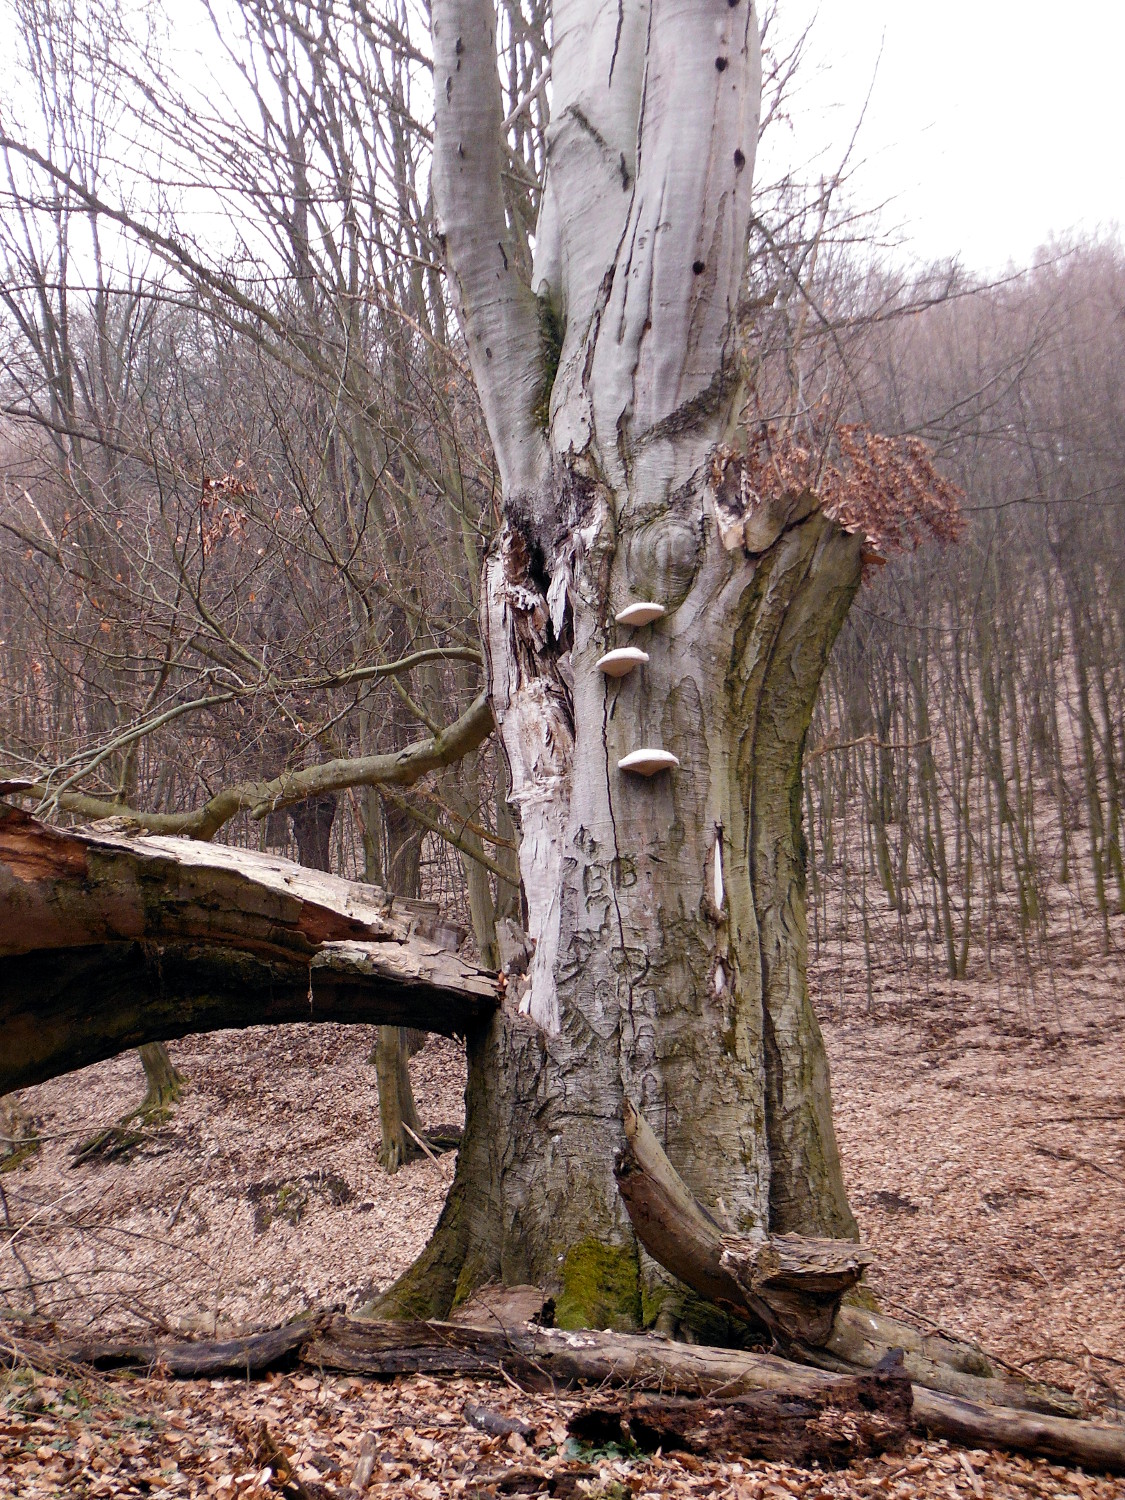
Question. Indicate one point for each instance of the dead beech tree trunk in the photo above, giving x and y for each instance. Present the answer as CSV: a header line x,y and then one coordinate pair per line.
x,y
668,912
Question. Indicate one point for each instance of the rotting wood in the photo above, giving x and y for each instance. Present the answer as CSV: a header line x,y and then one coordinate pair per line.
x,y
544,1358
495,1307
549,1356
859,1417
175,936
495,1422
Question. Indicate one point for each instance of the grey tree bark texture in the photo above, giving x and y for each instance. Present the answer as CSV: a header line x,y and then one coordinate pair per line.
x,y
668,912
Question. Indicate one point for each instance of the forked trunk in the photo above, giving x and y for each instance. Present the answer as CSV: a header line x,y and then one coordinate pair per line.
x,y
668,911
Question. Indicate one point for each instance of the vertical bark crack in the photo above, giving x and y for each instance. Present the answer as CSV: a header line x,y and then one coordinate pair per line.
x,y
614,867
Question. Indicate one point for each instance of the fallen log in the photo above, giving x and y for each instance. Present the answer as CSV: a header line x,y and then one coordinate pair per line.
x,y
545,1358
795,1285
109,940
188,1359
857,1418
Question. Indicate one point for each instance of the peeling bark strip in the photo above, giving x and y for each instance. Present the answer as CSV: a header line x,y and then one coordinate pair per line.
x,y
108,941
539,1357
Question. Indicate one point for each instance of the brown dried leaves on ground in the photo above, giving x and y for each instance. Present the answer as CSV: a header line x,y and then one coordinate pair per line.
x,y
983,1136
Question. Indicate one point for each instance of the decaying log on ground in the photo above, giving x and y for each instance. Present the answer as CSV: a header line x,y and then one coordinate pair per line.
x,y
192,1359
544,1358
789,1283
793,1285
108,941
859,1417
860,1339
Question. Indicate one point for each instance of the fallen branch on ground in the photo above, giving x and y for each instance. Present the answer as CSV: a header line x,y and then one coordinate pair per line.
x,y
545,1358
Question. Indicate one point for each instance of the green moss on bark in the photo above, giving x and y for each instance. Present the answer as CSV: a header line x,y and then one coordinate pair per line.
x,y
601,1287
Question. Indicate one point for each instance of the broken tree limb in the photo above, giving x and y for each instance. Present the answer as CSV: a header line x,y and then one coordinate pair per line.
x,y
860,1417
789,1283
975,1424
543,1357
860,1339
794,1285
109,940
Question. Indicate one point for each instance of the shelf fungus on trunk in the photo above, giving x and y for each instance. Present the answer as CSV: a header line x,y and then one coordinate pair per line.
x,y
621,662
641,613
648,762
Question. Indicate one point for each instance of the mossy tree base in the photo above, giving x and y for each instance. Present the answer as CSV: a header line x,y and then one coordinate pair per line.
x,y
164,1087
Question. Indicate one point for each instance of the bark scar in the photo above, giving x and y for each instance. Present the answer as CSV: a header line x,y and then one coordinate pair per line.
x,y
616,861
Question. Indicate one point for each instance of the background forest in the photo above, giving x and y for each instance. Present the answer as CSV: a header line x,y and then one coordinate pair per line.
x,y
246,492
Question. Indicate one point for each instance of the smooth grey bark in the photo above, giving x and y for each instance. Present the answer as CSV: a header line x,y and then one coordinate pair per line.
x,y
667,913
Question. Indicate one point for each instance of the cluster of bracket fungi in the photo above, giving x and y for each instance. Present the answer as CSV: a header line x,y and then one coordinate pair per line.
x,y
620,663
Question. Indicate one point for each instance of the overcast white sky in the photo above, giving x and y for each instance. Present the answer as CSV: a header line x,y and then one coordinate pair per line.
x,y
993,124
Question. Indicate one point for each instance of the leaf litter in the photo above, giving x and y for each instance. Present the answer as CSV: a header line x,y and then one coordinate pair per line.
x,y
983,1142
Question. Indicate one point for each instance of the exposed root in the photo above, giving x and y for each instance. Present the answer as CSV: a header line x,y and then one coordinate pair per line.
x,y
165,1085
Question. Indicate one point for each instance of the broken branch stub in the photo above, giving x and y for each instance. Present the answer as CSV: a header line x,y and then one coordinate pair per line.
x,y
791,1284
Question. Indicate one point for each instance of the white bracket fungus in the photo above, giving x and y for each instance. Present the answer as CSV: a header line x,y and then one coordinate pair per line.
x,y
636,615
621,662
648,762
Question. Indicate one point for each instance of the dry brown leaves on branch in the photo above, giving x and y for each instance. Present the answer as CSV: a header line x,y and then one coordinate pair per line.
x,y
887,489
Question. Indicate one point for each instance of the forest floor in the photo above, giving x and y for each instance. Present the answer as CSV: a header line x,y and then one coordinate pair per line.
x,y
983,1136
